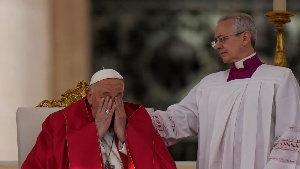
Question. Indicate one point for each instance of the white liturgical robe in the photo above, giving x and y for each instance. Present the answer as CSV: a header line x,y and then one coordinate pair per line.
x,y
240,122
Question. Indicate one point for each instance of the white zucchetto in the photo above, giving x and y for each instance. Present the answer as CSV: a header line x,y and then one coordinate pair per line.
x,y
105,74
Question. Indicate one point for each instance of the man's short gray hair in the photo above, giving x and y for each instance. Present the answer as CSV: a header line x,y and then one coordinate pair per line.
x,y
92,88
242,22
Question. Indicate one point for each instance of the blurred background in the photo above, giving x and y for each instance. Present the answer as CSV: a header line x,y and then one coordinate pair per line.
x,y
161,47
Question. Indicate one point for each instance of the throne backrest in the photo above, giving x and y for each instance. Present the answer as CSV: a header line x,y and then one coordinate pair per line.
x,y
29,119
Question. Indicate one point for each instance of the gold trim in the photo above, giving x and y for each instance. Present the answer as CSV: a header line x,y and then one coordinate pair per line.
x,y
67,136
127,146
69,97
135,111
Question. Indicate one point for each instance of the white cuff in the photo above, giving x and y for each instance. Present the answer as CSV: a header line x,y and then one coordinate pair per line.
x,y
101,146
122,147
285,154
274,164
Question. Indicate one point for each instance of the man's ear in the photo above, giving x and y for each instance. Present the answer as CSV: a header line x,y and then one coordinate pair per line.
x,y
246,38
89,96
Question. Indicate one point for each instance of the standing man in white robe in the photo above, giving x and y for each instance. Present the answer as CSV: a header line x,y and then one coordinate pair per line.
x,y
247,117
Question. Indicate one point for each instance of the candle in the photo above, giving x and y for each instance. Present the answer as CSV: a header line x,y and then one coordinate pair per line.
x,y
279,5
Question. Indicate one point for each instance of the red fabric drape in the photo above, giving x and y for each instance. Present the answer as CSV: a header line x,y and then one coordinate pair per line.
x,y
69,140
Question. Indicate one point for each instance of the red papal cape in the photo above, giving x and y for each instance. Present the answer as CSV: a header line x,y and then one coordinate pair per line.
x,y
69,140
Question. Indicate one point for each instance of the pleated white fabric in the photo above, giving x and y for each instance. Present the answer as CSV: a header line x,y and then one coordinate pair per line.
x,y
237,122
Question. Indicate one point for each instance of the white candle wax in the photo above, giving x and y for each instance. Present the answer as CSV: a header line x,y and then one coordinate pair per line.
x,y
279,5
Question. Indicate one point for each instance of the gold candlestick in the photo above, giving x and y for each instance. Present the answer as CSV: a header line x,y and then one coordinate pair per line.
x,y
279,18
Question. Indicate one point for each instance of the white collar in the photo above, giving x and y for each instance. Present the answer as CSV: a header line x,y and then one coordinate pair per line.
x,y
240,64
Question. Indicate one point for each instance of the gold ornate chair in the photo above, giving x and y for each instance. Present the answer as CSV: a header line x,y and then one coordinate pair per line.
x,y
69,97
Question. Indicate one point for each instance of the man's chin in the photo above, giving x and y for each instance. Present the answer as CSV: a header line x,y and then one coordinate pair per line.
x,y
223,56
225,60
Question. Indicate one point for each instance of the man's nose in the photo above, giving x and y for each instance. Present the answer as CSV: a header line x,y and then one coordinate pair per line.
x,y
218,46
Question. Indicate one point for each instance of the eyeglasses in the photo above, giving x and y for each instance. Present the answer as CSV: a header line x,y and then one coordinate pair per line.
x,y
222,39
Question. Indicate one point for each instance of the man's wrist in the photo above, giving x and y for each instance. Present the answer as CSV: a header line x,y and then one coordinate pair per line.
x,y
121,136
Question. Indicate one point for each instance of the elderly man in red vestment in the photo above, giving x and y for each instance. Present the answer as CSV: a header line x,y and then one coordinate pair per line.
x,y
100,131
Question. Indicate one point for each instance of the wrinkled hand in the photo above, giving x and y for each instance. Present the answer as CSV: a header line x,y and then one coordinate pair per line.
x,y
120,119
103,120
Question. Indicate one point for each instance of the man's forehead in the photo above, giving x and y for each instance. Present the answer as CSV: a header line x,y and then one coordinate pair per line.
x,y
224,28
